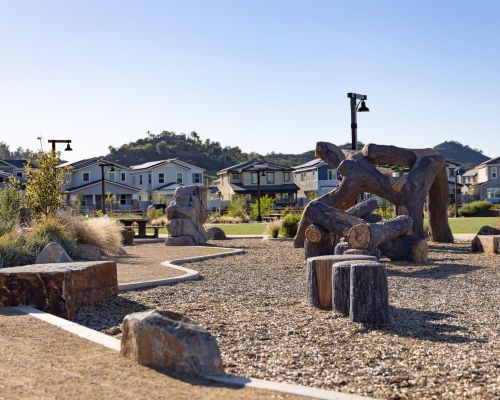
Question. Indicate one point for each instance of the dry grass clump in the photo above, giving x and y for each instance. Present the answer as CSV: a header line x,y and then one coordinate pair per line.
x,y
160,221
105,233
216,218
273,228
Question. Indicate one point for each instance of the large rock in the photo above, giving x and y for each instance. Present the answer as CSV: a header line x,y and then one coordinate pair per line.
x,y
488,230
52,253
127,236
186,215
216,233
168,340
488,244
59,289
180,241
89,252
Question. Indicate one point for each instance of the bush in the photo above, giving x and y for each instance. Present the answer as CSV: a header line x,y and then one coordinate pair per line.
x,y
151,213
386,212
13,249
52,230
10,203
217,218
289,225
237,207
266,206
474,208
273,228
159,220
105,233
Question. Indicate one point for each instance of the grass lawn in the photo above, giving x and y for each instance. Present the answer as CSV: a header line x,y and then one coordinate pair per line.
x,y
471,224
251,228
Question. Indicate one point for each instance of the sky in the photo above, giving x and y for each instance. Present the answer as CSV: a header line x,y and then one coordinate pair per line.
x,y
262,75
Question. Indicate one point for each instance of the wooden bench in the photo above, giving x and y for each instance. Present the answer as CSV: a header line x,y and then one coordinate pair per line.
x,y
156,230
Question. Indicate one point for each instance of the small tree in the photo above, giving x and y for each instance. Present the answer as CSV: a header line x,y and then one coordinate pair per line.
x,y
44,185
266,205
110,200
10,203
237,206
311,195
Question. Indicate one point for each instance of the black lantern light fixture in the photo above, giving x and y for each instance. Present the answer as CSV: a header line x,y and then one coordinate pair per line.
x,y
358,104
54,141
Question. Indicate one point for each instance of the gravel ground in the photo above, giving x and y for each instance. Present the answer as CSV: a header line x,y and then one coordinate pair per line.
x,y
443,341
143,262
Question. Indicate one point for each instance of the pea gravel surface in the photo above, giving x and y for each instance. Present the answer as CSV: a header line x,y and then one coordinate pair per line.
x,y
443,341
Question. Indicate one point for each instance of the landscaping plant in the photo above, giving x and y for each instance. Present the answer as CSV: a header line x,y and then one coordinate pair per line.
x,y
289,225
266,206
10,203
237,206
474,208
273,228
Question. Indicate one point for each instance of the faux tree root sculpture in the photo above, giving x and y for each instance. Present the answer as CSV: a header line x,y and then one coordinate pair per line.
x,y
186,215
426,177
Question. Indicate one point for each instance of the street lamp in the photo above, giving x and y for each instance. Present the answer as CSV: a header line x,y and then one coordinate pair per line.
x,y
259,216
355,108
54,141
458,171
103,192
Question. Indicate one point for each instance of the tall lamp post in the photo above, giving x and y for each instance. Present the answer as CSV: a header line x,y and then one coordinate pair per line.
x,y
458,171
356,106
54,141
259,216
103,192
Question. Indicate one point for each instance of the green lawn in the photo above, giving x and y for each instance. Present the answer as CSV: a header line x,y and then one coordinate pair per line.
x,y
458,225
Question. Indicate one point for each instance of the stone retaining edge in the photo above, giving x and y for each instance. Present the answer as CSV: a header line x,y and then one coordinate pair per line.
x,y
114,344
189,274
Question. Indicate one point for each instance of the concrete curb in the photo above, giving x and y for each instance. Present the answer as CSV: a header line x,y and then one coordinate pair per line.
x,y
278,239
115,344
189,274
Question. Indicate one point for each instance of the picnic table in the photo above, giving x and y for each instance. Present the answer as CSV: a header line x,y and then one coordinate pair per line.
x,y
142,225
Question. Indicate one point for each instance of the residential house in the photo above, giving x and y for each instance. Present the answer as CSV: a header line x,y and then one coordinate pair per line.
x,y
14,168
483,182
4,177
156,181
85,185
248,177
314,179
451,169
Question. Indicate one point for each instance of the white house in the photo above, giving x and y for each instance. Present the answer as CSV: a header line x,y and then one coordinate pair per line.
x,y
14,168
314,178
86,180
157,180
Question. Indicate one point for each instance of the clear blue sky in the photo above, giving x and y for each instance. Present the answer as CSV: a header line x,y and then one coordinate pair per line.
x,y
262,75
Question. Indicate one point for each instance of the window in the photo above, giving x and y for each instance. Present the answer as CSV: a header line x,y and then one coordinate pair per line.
x,y
133,180
314,175
123,199
86,177
161,177
236,176
302,176
111,176
254,177
331,176
179,177
286,176
493,172
196,177
270,177
493,193
123,177
149,178
140,179
451,173
20,174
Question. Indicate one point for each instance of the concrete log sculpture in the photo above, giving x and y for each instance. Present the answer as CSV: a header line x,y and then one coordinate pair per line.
x,y
186,215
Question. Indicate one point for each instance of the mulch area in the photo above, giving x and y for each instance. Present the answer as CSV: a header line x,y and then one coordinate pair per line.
x,y
143,261
40,361
443,341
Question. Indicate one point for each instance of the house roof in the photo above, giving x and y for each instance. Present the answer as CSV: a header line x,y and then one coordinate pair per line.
x,y
16,163
98,182
289,187
313,164
90,161
256,165
3,173
470,172
491,161
154,164
174,185
453,162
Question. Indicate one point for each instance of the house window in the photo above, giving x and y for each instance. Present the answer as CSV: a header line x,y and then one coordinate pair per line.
x,y
493,193
236,176
179,177
314,175
161,178
86,177
123,199
255,177
20,174
123,177
149,178
140,179
286,176
331,176
451,173
270,177
493,172
111,176
302,176
196,177
133,180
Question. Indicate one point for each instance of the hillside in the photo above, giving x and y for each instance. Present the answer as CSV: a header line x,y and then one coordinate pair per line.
x,y
213,157
463,154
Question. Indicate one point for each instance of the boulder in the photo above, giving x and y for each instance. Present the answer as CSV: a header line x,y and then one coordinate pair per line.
x,y
216,233
180,241
488,244
89,252
488,230
52,253
168,340
127,236
59,289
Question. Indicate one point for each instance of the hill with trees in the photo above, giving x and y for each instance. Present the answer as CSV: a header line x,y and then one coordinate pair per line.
x,y
460,153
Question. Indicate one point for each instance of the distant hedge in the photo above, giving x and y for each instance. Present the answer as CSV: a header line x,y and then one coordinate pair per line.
x,y
474,208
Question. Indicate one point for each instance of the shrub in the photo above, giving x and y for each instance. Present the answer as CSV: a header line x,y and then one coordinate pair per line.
x,y
273,228
237,206
266,205
160,221
52,230
474,208
105,233
289,225
10,203
386,212
151,213
217,218
13,249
